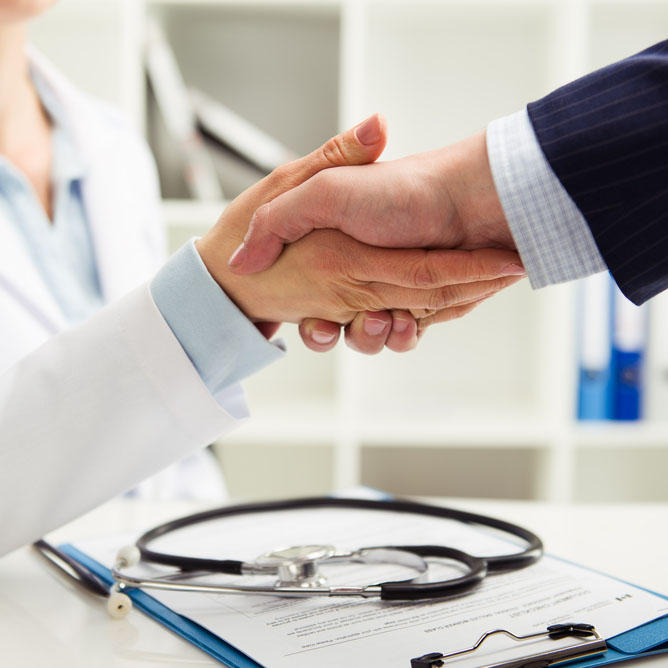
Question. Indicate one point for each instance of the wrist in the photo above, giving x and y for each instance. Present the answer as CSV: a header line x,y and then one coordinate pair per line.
x,y
282,293
475,198
215,248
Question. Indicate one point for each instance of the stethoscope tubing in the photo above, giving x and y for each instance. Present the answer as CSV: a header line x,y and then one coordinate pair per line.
x,y
478,567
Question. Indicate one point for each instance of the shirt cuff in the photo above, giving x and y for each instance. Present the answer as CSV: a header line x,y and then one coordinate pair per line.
x,y
551,235
223,345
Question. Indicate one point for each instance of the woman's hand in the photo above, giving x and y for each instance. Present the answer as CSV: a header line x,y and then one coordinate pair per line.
x,y
330,276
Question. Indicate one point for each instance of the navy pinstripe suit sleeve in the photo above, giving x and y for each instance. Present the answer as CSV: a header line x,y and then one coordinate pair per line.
x,y
606,138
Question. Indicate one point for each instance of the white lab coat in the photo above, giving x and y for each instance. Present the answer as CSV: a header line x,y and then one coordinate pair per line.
x,y
88,412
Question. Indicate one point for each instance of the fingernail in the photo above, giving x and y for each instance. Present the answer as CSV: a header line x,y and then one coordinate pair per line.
x,y
374,326
399,324
513,270
322,338
238,256
368,132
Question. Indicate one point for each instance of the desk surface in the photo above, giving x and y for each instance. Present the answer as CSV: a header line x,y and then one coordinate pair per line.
x,y
44,621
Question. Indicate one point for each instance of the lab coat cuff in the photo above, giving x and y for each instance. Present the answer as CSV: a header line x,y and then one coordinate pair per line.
x,y
222,344
161,359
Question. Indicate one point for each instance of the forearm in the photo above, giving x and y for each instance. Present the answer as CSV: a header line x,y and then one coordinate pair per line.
x,y
605,136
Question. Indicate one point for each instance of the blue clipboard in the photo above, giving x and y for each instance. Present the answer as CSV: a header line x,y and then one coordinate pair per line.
x,y
208,642
645,640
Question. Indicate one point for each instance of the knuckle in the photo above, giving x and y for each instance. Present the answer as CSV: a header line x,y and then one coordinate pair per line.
x,y
419,313
334,152
363,298
443,298
423,272
260,219
347,299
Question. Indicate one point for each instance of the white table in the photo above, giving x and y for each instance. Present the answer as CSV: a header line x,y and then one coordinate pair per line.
x,y
46,622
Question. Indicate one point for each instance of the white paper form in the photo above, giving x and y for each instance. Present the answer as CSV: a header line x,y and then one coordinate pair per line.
x,y
336,632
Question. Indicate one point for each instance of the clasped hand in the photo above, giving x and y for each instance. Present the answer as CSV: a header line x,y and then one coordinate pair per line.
x,y
372,274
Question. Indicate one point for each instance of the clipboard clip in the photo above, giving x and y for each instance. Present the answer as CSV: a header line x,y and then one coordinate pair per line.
x,y
590,644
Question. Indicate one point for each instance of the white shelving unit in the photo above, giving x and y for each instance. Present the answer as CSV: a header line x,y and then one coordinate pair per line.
x,y
485,406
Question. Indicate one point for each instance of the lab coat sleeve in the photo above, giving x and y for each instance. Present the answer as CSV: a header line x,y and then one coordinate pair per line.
x,y
223,345
95,410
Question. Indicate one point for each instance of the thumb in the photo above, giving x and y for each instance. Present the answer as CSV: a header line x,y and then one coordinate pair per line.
x,y
265,238
358,146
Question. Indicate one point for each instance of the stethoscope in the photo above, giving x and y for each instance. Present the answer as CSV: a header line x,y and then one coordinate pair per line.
x,y
296,568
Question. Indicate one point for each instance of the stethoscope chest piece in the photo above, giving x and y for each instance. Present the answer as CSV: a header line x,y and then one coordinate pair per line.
x,y
295,566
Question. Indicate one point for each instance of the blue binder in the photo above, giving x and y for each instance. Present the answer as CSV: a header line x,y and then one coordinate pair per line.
x,y
646,640
629,340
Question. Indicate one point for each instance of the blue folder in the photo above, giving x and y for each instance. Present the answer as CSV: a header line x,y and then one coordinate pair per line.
x,y
192,632
629,340
646,640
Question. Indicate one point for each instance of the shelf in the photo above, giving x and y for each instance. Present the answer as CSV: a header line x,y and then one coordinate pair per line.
x,y
302,5
275,64
320,426
324,430
621,435
508,433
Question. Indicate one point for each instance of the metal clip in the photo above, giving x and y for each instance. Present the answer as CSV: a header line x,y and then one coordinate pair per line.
x,y
592,644
428,660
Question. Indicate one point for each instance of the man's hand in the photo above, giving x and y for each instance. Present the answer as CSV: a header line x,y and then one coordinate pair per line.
x,y
440,199
333,277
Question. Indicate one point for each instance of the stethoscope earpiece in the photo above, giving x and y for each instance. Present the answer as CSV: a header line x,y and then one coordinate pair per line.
x,y
118,604
128,556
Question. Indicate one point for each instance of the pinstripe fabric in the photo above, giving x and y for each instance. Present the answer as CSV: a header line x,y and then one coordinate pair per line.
x,y
551,235
606,138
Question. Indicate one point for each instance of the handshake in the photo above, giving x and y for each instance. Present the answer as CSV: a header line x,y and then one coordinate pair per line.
x,y
382,249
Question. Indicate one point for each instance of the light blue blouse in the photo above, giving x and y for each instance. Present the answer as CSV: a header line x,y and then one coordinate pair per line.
x,y
62,249
223,345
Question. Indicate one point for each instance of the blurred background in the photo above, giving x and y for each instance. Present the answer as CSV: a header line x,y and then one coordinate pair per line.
x,y
488,405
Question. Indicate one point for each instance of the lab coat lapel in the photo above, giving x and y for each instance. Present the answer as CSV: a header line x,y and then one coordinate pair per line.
x,y
113,189
20,277
112,216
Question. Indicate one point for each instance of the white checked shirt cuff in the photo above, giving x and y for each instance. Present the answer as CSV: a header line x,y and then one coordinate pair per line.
x,y
551,235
